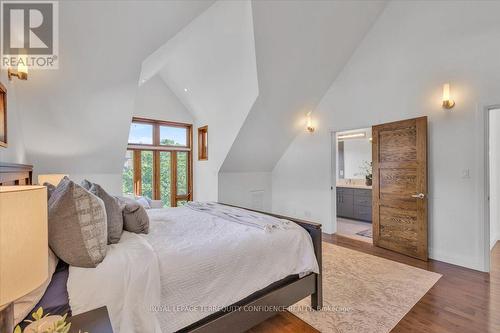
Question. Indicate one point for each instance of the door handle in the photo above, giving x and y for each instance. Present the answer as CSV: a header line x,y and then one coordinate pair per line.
x,y
418,196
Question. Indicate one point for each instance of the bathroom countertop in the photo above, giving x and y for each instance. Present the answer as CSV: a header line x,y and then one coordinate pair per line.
x,y
364,187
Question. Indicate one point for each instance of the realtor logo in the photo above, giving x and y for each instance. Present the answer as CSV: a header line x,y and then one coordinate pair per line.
x,y
30,34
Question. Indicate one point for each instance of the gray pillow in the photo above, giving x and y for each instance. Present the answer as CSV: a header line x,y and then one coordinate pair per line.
x,y
86,184
77,225
135,218
113,213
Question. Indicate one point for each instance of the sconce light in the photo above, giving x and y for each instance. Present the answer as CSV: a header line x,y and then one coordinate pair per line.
x,y
22,69
310,126
448,103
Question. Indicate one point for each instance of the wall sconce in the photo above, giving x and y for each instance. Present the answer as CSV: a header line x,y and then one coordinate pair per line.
x,y
309,123
448,103
22,69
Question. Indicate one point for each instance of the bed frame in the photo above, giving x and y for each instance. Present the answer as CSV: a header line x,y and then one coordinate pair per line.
x,y
250,311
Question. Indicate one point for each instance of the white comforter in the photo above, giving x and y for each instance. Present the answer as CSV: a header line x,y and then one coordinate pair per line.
x,y
201,263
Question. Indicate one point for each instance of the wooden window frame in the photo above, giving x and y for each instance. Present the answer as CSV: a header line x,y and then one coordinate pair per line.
x,y
203,143
156,148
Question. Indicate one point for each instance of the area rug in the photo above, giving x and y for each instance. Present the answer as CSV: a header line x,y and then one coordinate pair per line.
x,y
366,233
364,293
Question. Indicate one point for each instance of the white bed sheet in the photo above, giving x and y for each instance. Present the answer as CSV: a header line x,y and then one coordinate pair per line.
x,y
204,262
127,281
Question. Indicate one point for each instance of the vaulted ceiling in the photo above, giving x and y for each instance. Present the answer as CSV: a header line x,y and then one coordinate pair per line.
x,y
76,119
301,47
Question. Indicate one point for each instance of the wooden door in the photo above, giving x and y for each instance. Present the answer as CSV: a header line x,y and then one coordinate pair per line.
x,y
400,187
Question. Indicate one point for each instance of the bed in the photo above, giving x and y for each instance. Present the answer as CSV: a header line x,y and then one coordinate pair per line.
x,y
209,275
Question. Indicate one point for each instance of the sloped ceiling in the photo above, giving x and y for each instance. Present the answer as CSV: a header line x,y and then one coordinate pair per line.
x,y
76,119
210,66
301,46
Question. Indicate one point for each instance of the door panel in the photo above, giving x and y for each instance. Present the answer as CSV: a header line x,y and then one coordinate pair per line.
x,y
400,187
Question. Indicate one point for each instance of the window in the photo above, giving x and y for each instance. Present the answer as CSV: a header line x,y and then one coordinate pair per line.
x,y
203,143
141,134
158,162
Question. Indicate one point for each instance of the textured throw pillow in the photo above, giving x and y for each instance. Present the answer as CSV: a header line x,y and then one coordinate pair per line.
x,y
77,225
113,213
135,218
50,189
86,184
25,304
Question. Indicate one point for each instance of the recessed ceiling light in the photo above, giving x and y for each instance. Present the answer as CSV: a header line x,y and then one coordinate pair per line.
x,y
185,89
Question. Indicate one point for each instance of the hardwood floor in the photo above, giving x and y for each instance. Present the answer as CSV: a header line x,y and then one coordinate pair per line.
x,y
463,300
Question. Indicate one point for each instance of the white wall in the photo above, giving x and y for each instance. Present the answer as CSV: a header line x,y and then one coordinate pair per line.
x,y
398,71
356,153
246,189
76,119
494,168
15,152
154,100
214,59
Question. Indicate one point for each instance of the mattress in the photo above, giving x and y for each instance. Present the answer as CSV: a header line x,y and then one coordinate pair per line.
x,y
204,263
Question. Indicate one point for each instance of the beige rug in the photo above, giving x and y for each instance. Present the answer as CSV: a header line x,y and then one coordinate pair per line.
x,y
364,293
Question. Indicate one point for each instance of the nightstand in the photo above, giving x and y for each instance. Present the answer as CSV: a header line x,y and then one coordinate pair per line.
x,y
94,321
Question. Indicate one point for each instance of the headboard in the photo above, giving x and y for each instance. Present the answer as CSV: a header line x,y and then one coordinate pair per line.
x,y
16,174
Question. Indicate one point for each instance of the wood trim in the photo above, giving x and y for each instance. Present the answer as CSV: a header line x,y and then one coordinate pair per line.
x,y
3,91
202,141
137,173
421,124
156,175
156,148
16,174
156,133
190,157
247,315
173,179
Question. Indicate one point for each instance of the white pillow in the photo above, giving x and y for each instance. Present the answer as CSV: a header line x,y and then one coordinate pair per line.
x,y
25,304
156,203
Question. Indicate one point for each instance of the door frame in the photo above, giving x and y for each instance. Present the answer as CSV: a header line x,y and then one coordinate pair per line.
x,y
486,194
333,174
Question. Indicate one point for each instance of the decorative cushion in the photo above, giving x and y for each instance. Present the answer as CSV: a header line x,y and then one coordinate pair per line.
x,y
25,304
77,225
135,218
86,184
113,213
155,203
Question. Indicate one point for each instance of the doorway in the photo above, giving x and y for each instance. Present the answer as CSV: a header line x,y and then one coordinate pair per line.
x,y
394,180
353,176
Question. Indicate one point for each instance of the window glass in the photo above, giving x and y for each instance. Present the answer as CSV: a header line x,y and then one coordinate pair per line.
x,y
141,134
165,170
182,173
173,136
147,173
128,173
